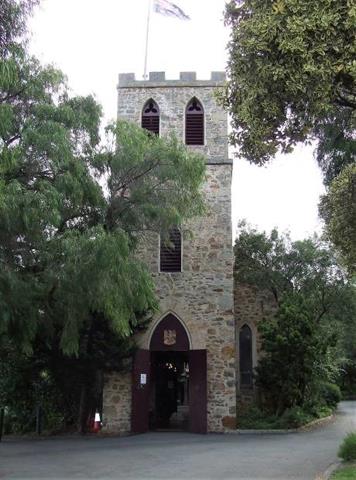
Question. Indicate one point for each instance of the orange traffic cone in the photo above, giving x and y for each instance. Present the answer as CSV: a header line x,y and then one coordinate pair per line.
x,y
97,423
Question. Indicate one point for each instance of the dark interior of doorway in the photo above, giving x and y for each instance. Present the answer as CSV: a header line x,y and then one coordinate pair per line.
x,y
169,395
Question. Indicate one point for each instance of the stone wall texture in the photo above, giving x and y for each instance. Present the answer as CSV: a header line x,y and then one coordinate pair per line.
x,y
172,97
117,403
250,307
201,296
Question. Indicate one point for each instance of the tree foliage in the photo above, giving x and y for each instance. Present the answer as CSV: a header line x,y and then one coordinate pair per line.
x,y
292,78
336,143
338,209
303,343
298,356
68,388
13,23
73,210
283,266
290,64
67,248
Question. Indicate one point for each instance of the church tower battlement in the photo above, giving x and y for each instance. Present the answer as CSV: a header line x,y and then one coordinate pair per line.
x,y
195,323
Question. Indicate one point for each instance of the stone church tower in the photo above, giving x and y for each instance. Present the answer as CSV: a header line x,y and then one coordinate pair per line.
x,y
184,372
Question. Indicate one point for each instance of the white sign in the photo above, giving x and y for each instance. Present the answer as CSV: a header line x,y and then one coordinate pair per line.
x,y
143,378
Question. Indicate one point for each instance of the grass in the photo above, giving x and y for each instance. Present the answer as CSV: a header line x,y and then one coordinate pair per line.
x,y
345,473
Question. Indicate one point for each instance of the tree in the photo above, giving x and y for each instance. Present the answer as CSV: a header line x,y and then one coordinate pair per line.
x,y
65,246
297,356
338,209
13,23
68,388
73,210
314,302
336,147
290,65
283,266
336,155
292,78
348,346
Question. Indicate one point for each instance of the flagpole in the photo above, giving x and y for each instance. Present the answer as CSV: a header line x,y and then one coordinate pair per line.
x,y
147,32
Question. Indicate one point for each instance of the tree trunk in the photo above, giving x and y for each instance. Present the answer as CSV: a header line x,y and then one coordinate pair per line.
x,y
83,410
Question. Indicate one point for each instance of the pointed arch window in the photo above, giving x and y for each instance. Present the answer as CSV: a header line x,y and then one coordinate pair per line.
x,y
245,347
150,117
194,123
171,251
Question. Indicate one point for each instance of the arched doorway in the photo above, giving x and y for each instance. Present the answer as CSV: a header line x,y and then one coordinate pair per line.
x,y
169,392
169,382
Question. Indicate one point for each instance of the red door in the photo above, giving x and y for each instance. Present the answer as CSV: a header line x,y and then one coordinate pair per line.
x,y
140,391
197,391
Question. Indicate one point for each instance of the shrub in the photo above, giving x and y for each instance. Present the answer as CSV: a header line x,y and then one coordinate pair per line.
x,y
347,450
318,410
330,393
253,417
295,417
348,392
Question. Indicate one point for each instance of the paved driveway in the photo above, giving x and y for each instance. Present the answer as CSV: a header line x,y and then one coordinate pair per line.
x,y
180,455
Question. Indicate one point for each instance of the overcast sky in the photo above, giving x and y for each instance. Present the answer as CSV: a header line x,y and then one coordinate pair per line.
x,y
94,40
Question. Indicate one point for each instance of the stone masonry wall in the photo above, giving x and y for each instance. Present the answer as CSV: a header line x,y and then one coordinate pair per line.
x,y
201,296
117,403
250,307
172,97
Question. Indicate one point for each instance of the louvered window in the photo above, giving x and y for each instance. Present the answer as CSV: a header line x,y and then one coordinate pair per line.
x,y
245,344
171,251
194,123
150,117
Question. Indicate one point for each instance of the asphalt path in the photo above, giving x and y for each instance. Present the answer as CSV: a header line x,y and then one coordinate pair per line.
x,y
171,455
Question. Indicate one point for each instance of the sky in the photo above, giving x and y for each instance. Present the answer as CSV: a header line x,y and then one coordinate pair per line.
x,y
92,41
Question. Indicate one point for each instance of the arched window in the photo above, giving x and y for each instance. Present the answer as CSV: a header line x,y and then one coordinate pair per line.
x,y
171,251
245,344
194,123
150,117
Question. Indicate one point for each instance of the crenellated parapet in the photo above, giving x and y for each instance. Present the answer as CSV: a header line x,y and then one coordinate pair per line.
x,y
158,79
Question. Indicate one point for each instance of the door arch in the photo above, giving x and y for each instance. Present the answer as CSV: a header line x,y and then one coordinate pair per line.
x,y
169,348
169,334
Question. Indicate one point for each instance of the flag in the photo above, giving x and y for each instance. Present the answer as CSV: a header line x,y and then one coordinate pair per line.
x,y
169,9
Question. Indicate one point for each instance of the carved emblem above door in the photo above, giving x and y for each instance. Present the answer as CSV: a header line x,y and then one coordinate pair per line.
x,y
169,337
169,334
